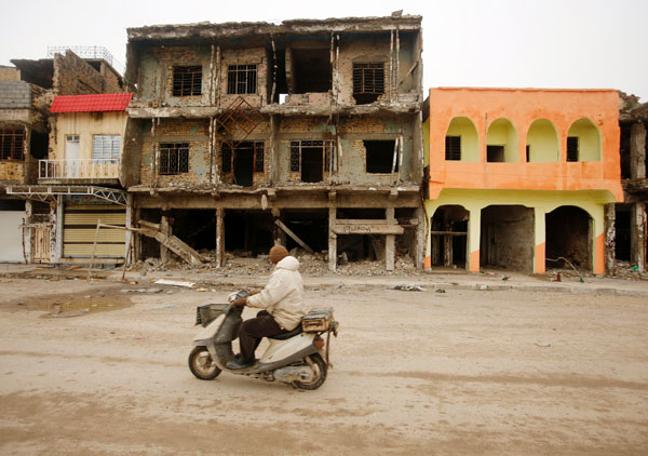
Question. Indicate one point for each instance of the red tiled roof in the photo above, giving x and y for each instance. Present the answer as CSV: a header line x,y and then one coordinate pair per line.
x,y
91,103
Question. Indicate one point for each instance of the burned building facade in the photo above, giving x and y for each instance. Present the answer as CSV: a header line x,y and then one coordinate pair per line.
x,y
307,132
630,217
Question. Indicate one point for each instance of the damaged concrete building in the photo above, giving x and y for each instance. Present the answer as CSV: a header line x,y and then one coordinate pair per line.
x,y
521,179
36,163
630,220
306,132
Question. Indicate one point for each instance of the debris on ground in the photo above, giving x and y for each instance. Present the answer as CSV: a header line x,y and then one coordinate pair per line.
x,y
176,283
406,287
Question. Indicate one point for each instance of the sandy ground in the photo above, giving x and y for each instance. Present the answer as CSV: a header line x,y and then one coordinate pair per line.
x,y
461,372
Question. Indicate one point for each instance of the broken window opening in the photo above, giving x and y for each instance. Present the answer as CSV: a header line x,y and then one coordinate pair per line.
x,y
359,247
241,79
246,159
311,159
248,233
38,144
381,156
568,235
311,226
312,70
453,147
368,82
195,227
174,158
507,238
187,80
149,247
12,143
495,153
572,148
449,236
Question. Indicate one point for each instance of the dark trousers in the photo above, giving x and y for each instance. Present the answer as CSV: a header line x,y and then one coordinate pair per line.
x,y
253,330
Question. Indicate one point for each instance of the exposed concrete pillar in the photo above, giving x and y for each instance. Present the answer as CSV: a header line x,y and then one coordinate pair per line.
x,y
610,238
390,242
638,235
58,230
165,227
27,232
332,244
420,239
137,247
220,237
540,246
474,234
638,151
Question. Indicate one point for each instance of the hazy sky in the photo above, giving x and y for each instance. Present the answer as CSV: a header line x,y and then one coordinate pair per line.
x,y
522,43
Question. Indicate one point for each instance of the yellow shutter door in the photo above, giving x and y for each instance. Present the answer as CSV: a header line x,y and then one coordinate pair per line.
x,y
80,226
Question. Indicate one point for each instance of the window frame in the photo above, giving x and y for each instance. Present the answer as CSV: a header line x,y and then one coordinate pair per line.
x,y
184,88
361,71
181,163
227,156
328,148
12,143
114,154
238,79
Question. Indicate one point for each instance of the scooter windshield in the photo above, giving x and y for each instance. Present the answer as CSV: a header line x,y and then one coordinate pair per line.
x,y
207,313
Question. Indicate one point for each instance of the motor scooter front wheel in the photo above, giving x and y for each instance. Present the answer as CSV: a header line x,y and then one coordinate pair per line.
x,y
320,368
202,365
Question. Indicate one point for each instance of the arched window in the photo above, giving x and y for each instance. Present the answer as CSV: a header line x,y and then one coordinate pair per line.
x,y
583,141
542,142
501,142
461,141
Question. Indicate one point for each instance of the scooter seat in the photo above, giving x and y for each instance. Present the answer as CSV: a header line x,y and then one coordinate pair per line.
x,y
287,335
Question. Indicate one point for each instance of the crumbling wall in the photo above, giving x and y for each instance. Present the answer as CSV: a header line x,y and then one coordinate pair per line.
x,y
261,133
193,132
379,48
8,73
74,76
112,81
250,56
155,70
354,130
354,49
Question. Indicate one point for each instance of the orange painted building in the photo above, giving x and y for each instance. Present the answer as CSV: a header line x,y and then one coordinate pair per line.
x,y
519,178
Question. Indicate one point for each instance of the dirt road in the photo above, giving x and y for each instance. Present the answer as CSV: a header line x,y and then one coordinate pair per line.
x,y
461,372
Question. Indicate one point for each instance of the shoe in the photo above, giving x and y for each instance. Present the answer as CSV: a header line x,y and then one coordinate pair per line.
x,y
238,364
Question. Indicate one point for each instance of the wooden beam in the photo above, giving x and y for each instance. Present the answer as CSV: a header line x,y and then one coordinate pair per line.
x,y
368,229
448,233
294,237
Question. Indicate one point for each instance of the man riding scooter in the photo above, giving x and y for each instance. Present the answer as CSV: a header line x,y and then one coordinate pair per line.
x,y
282,301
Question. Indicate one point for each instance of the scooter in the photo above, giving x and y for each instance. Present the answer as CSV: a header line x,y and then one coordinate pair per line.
x,y
299,357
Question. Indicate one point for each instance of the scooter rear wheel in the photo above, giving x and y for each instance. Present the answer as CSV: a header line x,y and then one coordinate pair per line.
x,y
202,365
321,367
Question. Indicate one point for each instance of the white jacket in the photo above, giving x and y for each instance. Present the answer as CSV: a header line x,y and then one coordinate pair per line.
x,y
283,296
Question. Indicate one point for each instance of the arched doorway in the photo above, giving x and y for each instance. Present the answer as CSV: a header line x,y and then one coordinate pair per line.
x,y
501,142
542,142
568,237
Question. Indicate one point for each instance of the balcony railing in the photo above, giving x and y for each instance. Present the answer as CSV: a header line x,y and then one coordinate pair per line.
x,y
78,169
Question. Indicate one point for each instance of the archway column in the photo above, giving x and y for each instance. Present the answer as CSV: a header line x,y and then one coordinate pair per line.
x,y
474,237
540,247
